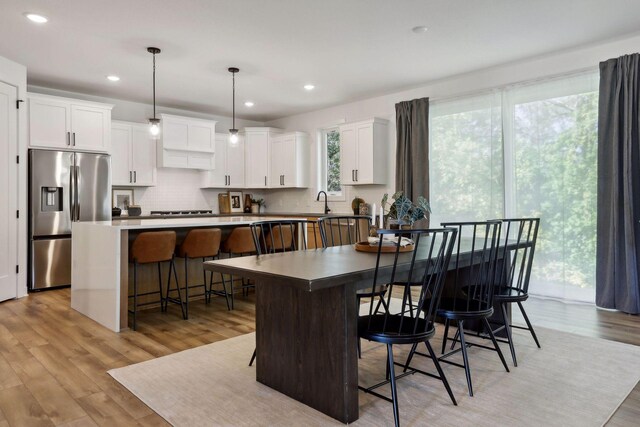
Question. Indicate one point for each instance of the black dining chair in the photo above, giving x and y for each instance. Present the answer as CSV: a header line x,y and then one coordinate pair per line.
x,y
349,230
518,244
469,292
270,237
407,271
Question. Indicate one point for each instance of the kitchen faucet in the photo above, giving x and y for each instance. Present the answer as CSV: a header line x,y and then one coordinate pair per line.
x,y
326,207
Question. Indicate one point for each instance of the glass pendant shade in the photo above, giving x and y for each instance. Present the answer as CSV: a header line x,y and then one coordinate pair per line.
x,y
233,136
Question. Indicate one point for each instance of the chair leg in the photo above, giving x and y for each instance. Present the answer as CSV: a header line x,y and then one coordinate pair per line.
x,y
465,357
166,300
204,283
446,335
392,377
233,301
456,337
160,286
135,294
507,328
359,348
495,344
410,357
185,314
526,319
440,371
253,357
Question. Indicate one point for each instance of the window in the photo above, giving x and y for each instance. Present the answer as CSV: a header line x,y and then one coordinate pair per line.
x,y
529,150
330,167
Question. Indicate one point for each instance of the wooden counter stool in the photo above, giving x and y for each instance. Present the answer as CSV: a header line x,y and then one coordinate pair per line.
x,y
201,243
153,247
240,243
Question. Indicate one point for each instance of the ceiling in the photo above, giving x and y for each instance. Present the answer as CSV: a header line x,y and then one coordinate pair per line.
x,y
349,49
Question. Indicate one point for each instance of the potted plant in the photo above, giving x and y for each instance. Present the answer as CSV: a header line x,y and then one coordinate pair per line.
x,y
256,205
355,205
402,212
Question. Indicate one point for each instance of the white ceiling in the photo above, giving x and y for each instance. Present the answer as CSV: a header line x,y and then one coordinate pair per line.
x,y
350,49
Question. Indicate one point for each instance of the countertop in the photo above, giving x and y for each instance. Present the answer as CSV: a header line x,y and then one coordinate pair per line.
x,y
138,223
268,214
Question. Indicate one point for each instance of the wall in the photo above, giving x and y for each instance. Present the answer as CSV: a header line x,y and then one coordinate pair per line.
x,y
569,61
176,188
16,75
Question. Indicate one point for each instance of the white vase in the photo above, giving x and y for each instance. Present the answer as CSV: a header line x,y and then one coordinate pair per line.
x,y
255,208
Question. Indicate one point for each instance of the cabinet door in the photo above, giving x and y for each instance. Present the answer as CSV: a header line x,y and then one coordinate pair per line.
x,y
277,161
257,159
49,123
364,169
202,136
348,154
175,133
121,169
217,177
143,153
289,161
235,163
90,128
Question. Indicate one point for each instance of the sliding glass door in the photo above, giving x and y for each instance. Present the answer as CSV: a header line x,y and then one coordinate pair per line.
x,y
536,156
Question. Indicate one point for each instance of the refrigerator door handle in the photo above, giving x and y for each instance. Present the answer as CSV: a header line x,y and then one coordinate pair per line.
x,y
72,193
76,190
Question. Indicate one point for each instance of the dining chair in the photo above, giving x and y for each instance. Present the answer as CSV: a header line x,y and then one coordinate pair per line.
x,y
349,230
518,238
274,236
469,293
408,327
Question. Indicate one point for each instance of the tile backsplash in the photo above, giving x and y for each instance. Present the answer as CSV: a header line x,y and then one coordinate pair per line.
x,y
177,189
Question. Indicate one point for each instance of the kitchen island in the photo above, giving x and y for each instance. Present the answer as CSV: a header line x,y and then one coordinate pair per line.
x,y
100,261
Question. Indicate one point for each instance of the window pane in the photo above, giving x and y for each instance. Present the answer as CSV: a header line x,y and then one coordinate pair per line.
x,y
555,178
333,162
465,160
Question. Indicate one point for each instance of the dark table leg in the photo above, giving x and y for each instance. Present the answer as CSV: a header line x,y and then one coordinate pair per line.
x,y
306,346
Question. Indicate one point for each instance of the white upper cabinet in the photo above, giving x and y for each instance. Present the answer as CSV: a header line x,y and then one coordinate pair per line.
x,y
65,123
229,164
187,142
290,160
133,155
258,156
364,152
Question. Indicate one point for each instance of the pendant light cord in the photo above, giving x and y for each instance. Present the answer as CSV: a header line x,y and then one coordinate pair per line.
x,y
154,85
234,101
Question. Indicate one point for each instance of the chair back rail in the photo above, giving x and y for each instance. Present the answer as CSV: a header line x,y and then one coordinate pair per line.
x,y
518,243
344,230
281,235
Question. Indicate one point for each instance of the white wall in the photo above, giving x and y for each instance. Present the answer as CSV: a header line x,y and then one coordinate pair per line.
x,y
575,60
176,188
16,75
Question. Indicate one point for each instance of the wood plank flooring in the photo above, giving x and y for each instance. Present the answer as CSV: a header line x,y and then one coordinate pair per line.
x,y
53,360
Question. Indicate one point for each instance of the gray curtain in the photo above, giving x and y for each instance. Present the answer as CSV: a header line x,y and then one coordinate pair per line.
x,y
412,149
618,259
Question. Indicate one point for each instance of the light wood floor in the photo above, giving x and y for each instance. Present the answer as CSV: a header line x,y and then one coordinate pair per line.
x,y
53,360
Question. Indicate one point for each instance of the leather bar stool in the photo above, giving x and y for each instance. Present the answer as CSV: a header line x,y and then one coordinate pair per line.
x,y
201,243
153,247
240,243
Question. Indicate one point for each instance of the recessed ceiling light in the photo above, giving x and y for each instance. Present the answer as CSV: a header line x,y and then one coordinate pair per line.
x,y
309,87
249,104
113,78
419,29
34,17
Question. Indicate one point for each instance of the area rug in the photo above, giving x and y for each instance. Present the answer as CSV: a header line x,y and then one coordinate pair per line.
x,y
572,381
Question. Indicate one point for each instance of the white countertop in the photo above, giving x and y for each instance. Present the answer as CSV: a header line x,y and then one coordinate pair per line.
x,y
139,224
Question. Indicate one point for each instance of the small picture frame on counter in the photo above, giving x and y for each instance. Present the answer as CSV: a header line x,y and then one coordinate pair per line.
x,y
122,198
235,202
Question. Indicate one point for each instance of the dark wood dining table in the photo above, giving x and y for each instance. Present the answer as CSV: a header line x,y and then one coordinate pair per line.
x,y
306,319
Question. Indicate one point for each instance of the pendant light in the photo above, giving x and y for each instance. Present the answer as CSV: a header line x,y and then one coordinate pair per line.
x,y
233,132
154,123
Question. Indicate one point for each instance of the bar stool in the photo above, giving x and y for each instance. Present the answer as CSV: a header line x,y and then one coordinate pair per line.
x,y
201,243
152,247
240,242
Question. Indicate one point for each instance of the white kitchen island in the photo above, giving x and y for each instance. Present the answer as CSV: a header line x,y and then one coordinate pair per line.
x,y
100,261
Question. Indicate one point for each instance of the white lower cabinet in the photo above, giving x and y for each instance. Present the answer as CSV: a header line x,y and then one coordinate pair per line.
x,y
229,162
133,155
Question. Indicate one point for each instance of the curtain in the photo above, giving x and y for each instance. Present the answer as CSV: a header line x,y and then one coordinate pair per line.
x,y
412,149
618,230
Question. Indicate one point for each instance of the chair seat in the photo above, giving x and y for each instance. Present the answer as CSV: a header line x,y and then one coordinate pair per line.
x,y
509,294
463,309
387,333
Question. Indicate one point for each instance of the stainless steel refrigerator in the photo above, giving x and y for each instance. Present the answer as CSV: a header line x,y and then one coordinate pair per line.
x,y
64,187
